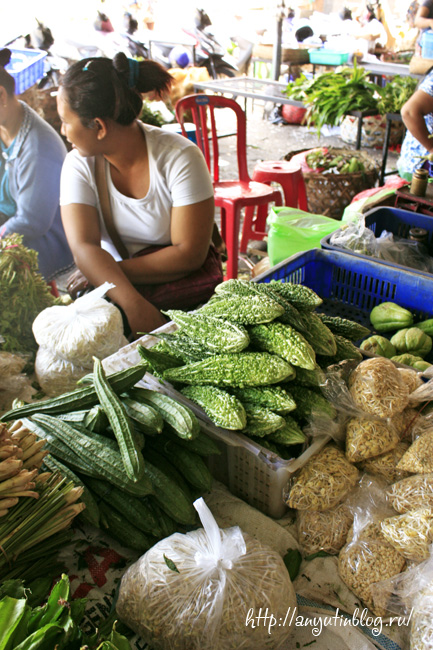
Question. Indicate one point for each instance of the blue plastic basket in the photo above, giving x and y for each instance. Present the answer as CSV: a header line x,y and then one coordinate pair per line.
x,y
324,56
351,286
427,44
398,222
26,67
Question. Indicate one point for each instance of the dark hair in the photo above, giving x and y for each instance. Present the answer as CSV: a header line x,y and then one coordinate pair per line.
x,y
6,80
101,87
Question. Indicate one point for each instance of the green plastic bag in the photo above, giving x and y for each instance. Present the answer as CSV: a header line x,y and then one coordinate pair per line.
x,y
293,231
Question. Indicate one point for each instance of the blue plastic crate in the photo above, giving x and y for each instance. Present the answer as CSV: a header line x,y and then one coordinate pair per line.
x,y
26,67
351,286
398,222
323,56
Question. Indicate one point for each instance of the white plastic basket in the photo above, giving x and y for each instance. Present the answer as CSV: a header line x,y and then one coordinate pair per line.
x,y
251,472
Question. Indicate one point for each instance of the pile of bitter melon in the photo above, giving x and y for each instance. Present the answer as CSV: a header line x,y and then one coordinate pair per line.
x,y
329,162
253,356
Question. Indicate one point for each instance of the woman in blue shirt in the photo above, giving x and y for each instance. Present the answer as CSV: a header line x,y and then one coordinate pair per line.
x,y
417,115
31,158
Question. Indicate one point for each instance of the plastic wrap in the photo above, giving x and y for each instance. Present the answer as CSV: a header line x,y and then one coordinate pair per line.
x,y
56,375
419,457
356,237
412,378
368,557
411,493
385,465
323,531
366,438
323,481
410,596
90,326
197,591
406,252
410,533
378,388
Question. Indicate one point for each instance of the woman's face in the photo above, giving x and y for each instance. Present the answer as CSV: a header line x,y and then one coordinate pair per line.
x,y
82,138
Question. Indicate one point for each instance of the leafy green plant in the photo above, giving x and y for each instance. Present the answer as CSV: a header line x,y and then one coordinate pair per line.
x,y
332,95
396,93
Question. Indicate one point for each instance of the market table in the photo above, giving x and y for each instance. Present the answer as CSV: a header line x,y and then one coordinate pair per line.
x,y
264,90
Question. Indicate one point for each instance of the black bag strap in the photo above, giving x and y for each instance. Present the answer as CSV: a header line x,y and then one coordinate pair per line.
x,y
104,199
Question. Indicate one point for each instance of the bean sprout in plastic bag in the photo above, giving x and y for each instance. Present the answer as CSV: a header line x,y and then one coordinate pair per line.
x,y
198,591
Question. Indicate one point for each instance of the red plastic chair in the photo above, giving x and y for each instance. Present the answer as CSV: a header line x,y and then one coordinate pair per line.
x,y
286,174
234,195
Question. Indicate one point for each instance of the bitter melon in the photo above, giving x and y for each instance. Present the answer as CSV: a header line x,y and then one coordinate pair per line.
x,y
285,341
302,297
214,333
236,369
289,434
310,402
272,397
345,327
345,350
223,409
261,421
318,335
244,310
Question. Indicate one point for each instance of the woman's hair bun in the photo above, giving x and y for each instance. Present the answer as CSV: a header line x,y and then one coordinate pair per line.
x,y
5,56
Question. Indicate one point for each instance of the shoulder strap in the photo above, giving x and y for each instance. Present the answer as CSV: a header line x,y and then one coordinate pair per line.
x,y
104,199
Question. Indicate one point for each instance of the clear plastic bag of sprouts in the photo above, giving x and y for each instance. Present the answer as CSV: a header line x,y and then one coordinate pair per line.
x,y
201,591
90,326
409,598
368,557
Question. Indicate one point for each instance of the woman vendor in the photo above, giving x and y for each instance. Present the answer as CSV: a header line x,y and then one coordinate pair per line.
x,y
32,154
417,115
159,191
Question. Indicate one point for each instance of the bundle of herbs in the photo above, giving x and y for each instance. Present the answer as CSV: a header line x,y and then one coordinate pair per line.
x,y
24,293
396,93
332,95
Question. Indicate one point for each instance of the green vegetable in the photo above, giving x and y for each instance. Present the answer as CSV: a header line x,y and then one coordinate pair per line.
x,y
190,465
388,316
80,398
261,421
426,326
123,530
284,341
24,294
215,333
244,310
170,497
412,340
187,349
318,335
223,409
157,361
379,345
105,461
415,362
145,417
300,296
237,369
310,402
272,397
180,418
344,327
289,434
332,95
395,93
120,423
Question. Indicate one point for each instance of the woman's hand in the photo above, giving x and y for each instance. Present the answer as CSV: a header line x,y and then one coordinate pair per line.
x,y
142,317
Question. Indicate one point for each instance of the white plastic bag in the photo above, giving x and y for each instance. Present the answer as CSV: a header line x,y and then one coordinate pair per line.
x,y
198,591
56,375
90,326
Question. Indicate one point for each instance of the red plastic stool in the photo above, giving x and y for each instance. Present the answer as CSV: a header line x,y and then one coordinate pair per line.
x,y
53,288
289,176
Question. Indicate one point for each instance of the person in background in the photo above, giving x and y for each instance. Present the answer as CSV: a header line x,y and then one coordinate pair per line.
x,y
159,186
417,115
423,21
31,159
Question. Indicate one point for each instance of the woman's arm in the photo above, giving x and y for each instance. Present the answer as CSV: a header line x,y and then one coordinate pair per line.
x,y
191,232
82,230
422,20
413,113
